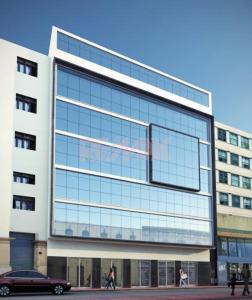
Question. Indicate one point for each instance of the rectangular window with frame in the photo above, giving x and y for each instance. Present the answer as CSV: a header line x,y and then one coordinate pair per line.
x,y
246,183
26,103
234,159
222,246
27,67
233,139
245,162
24,203
236,201
223,177
25,141
244,142
222,155
222,135
23,178
223,197
246,203
235,180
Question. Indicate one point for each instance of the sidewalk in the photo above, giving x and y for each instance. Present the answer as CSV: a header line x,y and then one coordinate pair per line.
x,y
173,293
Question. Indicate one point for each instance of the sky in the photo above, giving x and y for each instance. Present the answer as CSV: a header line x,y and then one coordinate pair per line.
x,y
205,42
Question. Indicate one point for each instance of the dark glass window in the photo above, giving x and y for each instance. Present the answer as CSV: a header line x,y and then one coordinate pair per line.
x,y
26,103
246,183
244,142
222,155
232,247
27,67
245,162
222,135
25,141
23,203
233,139
236,201
247,203
33,274
223,177
222,246
16,274
23,178
234,159
235,180
223,198
175,158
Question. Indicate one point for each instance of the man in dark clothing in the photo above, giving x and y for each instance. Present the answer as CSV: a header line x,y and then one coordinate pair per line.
x,y
232,283
246,275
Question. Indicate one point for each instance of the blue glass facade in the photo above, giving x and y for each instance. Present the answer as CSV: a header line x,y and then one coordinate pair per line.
x,y
126,67
103,187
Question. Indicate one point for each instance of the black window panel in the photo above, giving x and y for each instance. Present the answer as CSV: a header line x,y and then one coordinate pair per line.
x,y
236,201
234,159
222,155
222,135
24,203
23,178
223,177
25,141
26,103
223,198
27,67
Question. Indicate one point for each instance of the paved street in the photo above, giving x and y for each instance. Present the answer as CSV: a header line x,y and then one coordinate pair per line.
x,y
161,294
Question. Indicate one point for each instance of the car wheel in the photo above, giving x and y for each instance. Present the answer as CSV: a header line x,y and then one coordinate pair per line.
x,y
58,289
4,291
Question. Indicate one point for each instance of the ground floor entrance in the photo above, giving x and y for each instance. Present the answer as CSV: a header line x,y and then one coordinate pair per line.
x,y
227,268
92,272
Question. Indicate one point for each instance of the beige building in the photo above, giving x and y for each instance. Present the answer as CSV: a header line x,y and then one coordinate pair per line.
x,y
234,197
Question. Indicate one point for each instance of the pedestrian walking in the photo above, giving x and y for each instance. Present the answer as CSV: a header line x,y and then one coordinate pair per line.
x,y
232,283
111,279
183,277
246,275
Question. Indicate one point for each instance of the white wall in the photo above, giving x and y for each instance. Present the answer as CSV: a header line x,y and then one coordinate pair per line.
x,y
22,160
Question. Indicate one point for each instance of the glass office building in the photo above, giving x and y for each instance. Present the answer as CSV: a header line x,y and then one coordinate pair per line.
x,y
132,180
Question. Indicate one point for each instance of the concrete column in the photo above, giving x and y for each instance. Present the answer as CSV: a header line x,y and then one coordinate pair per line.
x,y
4,255
40,256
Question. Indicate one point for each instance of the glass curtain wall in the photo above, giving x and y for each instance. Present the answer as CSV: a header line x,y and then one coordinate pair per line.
x,y
102,164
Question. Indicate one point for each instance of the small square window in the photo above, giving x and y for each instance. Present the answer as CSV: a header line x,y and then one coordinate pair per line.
x,y
233,139
236,201
223,177
244,142
222,135
246,184
25,141
27,67
223,197
245,162
247,203
26,103
24,203
235,180
222,156
234,159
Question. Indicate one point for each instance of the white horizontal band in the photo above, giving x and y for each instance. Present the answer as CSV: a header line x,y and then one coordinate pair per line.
x,y
101,110
149,212
92,140
85,171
